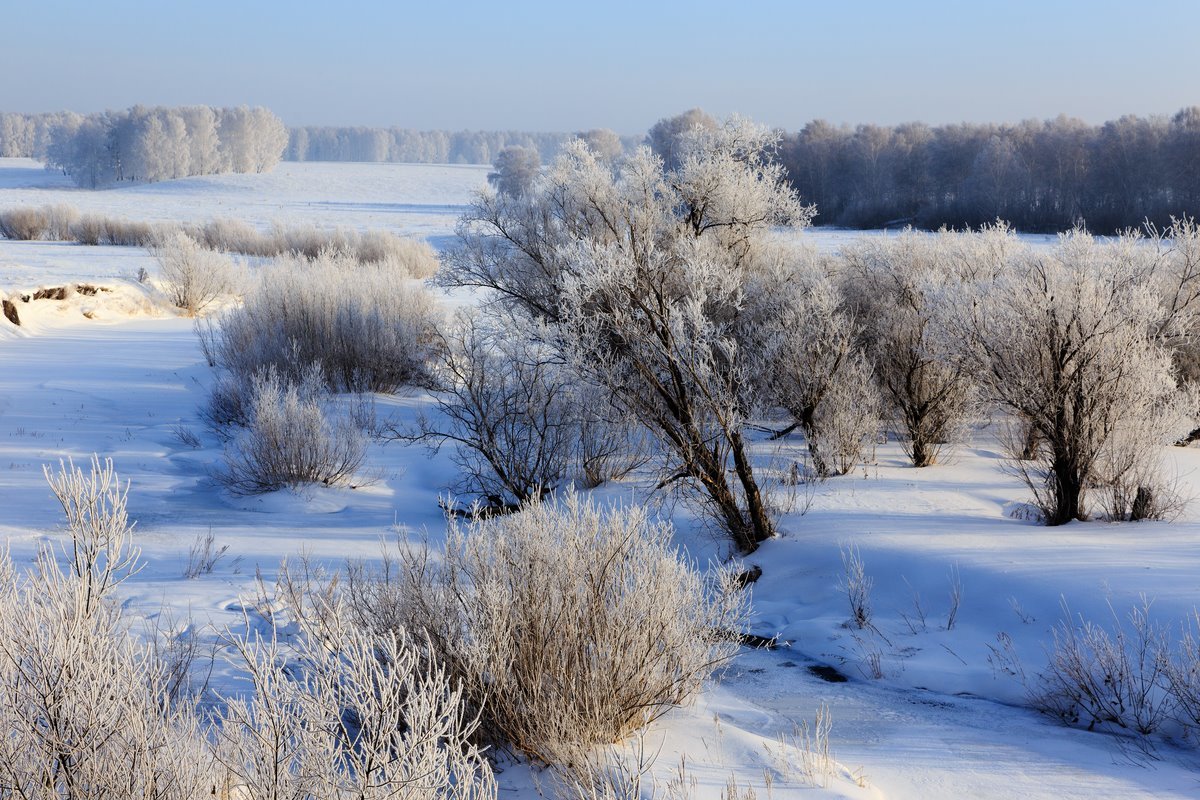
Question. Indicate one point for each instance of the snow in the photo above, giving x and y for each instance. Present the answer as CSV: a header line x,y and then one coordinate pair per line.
x,y
941,722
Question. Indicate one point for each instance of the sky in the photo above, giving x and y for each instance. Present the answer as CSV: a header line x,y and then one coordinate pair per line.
x,y
569,65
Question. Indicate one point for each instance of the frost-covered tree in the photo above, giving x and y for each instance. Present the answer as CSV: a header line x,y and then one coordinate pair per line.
x,y
667,136
900,286
815,368
605,143
515,169
252,139
151,144
202,140
1068,343
643,278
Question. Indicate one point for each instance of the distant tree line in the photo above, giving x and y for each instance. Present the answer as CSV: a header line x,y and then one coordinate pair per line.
x,y
423,147
1037,175
147,144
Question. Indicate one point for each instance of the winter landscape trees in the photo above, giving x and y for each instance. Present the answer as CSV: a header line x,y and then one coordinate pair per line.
x,y
148,144
645,278
1037,175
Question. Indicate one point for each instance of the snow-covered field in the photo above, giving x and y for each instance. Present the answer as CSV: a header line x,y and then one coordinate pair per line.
x,y
924,714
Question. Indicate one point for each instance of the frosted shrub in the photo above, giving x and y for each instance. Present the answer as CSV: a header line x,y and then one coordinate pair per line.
x,y
1130,480
24,224
412,257
60,217
508,408
129,233
289,440
233,236
898,286
83,704
193,276
366,327
812,367
90,229
408,257
88,711
343,714
1067,344
1118,678
564,623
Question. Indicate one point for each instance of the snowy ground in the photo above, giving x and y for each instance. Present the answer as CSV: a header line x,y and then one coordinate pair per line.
x,y
936,720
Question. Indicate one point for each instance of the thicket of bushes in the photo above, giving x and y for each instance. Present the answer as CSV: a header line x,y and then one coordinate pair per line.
x,y
64,223
332,712
545,633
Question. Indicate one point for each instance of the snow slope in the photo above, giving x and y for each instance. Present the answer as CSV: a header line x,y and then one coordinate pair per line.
x,y
937,719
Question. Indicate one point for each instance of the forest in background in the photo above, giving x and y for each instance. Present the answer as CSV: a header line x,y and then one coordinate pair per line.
x,y
1038,175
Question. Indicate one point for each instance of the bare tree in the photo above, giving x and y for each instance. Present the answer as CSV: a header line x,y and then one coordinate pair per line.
x,y
508,406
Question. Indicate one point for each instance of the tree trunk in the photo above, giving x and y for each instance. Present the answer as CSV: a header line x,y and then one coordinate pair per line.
x,y
761,527
1143,504
1068,493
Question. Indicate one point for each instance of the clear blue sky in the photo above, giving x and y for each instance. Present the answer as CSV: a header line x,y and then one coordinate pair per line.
x,y
570,65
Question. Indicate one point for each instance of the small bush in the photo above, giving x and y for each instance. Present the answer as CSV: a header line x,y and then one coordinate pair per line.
x,y
24,224
509,409
1114,679
563,623
409,257
341,714
233,236
194,277
90,229
289,440
367,328
85,709
415,258
126,233
60,219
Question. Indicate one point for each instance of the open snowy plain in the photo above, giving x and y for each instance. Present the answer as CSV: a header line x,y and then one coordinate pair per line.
x,y
932,707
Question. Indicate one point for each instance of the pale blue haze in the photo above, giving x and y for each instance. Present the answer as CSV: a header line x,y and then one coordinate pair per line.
x,y
569,65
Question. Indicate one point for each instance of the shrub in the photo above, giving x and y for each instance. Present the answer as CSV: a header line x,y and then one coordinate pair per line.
x,y
345,714
90,229
1117,679
89,712
233,236
415,258
563,623
60,218
508,407
83,705
898,285
126,233
367,328
289,440
409,257
24,224
814,369
194,277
